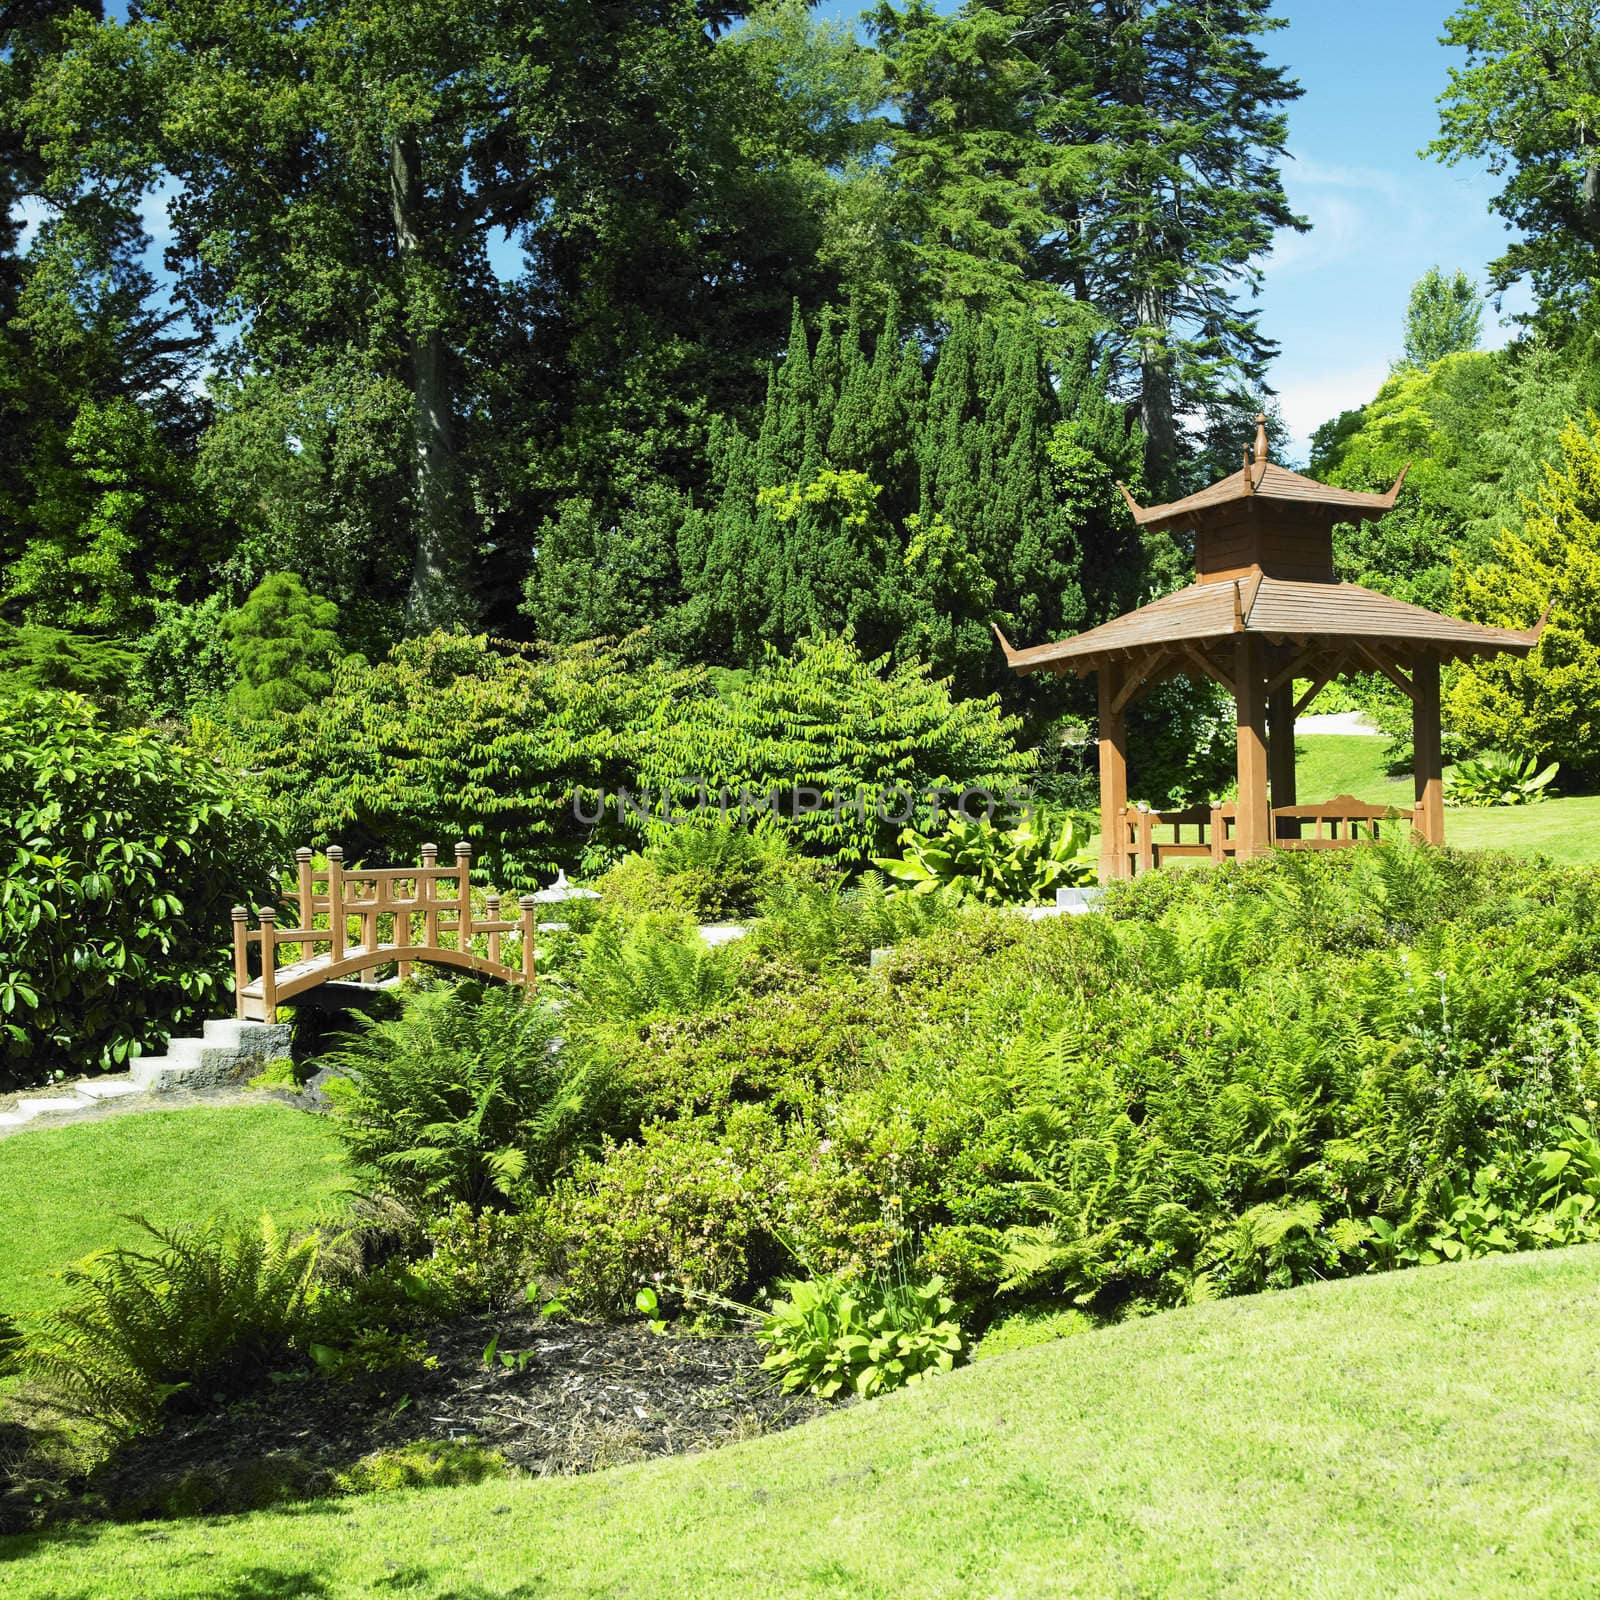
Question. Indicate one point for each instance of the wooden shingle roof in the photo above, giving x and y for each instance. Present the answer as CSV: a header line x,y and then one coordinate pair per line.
x,y
1280,608
1266,480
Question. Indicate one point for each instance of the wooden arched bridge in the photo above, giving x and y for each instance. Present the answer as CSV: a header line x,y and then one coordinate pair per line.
x,y
353,922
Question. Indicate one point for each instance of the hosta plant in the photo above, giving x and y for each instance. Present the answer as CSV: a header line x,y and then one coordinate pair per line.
x,y
976,860
1497,779
826,1335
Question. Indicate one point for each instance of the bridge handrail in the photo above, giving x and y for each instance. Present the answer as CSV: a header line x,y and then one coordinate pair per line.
x,y
444,916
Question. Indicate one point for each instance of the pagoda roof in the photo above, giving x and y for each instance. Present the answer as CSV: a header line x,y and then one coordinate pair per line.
x,y
1281,608
1263,480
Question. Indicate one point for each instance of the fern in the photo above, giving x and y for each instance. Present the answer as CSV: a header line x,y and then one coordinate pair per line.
x,y
657,964
463,1097
209,1309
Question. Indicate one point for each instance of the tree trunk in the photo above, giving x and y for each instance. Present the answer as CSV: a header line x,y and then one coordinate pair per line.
x,y
1155,398
439,591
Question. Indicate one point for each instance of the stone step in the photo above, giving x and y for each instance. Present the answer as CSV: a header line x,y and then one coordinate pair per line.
x,y
108,1088
42,1106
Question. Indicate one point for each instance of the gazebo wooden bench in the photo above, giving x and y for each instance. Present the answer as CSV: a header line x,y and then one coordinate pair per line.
x,y
1264,611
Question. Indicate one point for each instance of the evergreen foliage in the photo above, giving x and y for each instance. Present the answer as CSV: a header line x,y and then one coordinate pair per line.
x,y
458,736
1546,704
914,503
284,647
839,750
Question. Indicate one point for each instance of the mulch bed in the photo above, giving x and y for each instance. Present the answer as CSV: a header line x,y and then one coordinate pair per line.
x,y
588,1396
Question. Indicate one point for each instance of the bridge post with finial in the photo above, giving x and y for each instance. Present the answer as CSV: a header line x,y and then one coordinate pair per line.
x,y
464,896
269,963
491,905
530,938
336,918
430,916
302,864
241,958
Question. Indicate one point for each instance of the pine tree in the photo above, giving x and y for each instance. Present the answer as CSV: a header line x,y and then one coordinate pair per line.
x,y
284,643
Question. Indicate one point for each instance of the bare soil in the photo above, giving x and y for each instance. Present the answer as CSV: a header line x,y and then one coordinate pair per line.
x,y
583,1397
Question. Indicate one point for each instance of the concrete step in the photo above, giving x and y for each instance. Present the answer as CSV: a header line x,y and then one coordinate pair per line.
x,y
42,1106
113,1087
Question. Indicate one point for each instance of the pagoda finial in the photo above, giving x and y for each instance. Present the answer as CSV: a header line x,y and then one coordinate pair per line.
x,y
1261,438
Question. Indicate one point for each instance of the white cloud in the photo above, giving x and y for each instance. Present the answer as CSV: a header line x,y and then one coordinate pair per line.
x,y
1309,402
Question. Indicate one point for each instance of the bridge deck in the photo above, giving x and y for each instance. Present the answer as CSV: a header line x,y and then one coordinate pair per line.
x,y
299,976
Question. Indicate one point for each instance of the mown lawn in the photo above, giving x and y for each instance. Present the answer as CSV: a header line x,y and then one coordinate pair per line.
x,y
1433,1432
1566,829
65,1192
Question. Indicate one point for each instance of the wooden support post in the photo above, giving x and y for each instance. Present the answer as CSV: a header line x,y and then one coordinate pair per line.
x,y
491,904
1280,755
241,958
336,917
1254,833
430,917
1113,774
464,895
530,939
302,863
269,963
1426,742
402,926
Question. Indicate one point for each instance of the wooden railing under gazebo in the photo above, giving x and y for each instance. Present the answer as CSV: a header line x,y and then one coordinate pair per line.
x,y
1210,832
1264,614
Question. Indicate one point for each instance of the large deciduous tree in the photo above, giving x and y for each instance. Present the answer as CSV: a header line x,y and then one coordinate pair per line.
x,y
1528,103
344,177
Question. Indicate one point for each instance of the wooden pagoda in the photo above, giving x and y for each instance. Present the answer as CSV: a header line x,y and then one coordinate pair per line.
x,y
1263,611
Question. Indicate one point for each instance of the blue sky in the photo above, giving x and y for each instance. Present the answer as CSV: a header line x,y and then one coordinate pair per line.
x,y
1381,215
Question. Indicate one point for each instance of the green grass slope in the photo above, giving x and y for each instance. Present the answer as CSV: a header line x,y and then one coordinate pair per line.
x,y
65,1192
1565,829
1428,1433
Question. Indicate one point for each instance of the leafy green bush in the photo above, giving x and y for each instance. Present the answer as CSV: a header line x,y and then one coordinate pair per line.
x,y
975,860
210,1310
124,856
825,1335
1497,779
709,871
851,748
1235,1080
473,1261
458,736
818,925
464,1097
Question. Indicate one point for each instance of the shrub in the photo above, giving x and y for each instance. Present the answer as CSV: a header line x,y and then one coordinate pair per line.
x,y
125,855
1543,703
825,1335
473,1261
1497,779
187,666
818,925
283,646
465,1097
210,1310
871,741
459,736
975,860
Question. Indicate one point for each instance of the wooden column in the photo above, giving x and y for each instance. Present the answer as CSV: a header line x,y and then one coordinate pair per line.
x,y
1280,754
241,958
1113,774
1425,739
1250,696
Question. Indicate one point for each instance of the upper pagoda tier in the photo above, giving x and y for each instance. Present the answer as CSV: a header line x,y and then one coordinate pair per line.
x,y
1264,518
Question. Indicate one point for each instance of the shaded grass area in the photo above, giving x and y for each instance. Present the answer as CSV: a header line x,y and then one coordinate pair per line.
x,y
1433,1432
1566,829
65,1191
